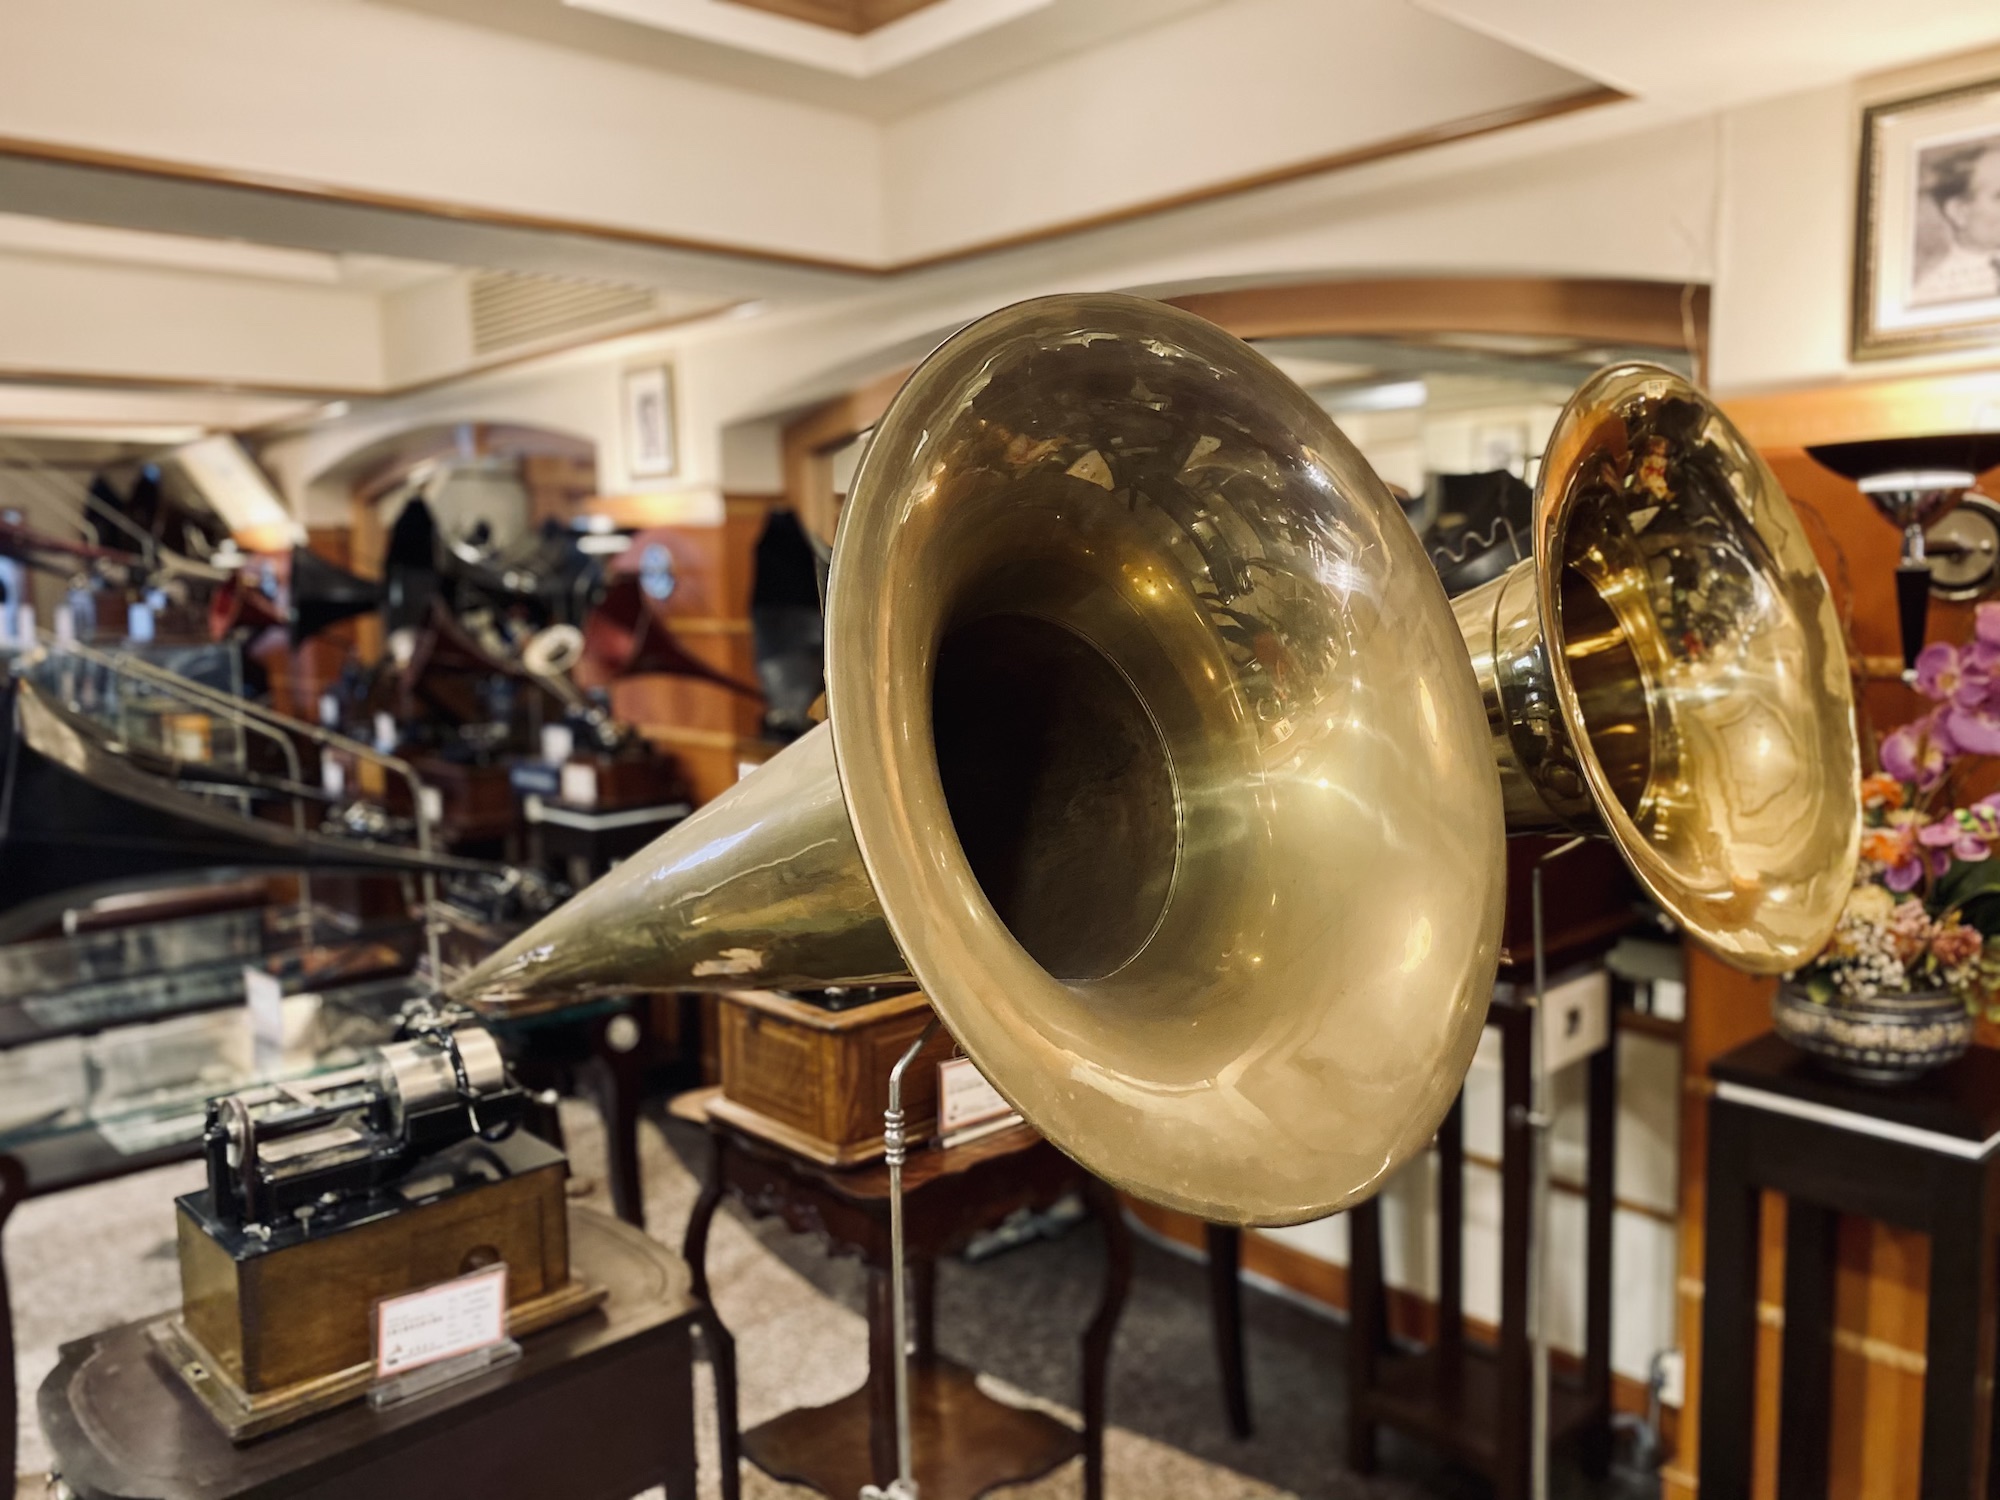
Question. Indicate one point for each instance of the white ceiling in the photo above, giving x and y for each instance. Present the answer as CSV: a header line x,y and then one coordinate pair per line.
x,y
315,178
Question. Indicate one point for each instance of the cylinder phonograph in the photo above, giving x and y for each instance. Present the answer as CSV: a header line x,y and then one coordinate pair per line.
x,y
1156,755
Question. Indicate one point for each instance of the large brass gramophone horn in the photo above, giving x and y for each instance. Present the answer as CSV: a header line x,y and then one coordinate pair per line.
x,y
1154,754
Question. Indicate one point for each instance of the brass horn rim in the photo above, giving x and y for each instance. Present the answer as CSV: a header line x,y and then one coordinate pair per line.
x,y
1601,403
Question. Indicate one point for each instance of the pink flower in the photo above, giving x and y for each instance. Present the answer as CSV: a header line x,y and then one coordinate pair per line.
x,y
1983,650
1974,729
1920,751
1954,943
1954,832
1939,672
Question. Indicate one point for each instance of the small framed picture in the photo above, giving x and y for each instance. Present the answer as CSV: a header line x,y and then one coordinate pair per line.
x,y
1927,240
649,422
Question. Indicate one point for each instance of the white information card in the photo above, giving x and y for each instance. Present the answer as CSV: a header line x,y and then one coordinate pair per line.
x,y
967,1104
440,1322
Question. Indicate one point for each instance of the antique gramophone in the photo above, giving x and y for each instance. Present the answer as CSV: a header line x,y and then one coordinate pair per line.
x,y
329,1193
1157,756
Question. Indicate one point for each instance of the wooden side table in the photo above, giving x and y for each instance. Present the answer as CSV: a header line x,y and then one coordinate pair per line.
x,y
964,1443
1469,1400
1926,1157
598,1408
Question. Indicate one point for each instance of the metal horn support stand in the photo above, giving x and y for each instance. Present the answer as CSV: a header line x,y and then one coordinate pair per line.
x,y
1540,1120
904,1485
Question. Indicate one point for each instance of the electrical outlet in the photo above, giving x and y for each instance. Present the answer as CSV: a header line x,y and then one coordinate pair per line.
x,y
1673,1378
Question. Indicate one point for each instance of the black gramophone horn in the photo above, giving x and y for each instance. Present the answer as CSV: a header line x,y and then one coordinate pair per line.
x,y
324,594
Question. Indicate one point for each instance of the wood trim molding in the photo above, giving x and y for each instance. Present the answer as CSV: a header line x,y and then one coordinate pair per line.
x,y
1448,132
851,17
1471,127
809,443
1658,314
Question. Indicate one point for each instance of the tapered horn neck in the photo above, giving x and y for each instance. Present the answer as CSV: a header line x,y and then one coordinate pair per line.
x,y
764,888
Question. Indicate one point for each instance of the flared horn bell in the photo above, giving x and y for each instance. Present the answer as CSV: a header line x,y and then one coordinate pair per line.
x,y
323,594
1153,754
1668,669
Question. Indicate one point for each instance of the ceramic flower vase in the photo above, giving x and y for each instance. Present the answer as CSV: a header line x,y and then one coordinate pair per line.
x,y
1890,1039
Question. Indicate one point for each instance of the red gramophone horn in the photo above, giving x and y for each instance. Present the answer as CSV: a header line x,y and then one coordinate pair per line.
x,y
625,637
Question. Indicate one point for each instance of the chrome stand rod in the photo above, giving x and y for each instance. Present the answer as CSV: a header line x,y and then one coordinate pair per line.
x,y
904,1485
1539,1121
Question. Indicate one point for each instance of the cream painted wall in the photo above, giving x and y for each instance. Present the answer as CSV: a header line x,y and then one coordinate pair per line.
x,y
183,325
1637,206
1783,290
1103,129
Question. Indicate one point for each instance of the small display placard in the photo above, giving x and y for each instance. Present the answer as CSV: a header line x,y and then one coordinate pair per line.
x,y
442,1322
579,784
966,1100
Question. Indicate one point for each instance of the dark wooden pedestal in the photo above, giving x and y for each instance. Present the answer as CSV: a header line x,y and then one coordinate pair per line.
x,y
1925,1156
598,1408
1468,1399
964,1442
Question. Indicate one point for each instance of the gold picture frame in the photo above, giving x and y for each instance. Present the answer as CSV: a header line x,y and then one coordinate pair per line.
x,y
1927,226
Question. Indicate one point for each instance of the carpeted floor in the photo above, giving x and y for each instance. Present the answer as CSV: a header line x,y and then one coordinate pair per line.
x,y
102,1255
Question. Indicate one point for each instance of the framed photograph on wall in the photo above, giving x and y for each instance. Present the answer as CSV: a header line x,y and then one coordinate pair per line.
x,y
1927,244
650,451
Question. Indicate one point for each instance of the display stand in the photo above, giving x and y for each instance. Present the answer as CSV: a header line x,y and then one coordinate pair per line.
x,y
962,1441
1925,1157
1489,1407
120,1424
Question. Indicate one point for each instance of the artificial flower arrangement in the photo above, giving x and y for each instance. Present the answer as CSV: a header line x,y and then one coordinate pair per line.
x,y
1924,915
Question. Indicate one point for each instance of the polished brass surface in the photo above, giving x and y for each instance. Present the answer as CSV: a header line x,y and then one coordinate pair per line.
x,y
1155,755
1158,757
1668,669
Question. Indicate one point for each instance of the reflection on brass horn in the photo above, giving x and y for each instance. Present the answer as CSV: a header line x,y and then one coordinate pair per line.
x,y
1154,754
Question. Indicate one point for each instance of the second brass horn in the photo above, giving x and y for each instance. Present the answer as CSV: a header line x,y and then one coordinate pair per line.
x,y
1153,753
1668,669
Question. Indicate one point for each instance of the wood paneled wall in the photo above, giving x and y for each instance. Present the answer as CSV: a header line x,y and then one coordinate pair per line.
x,y
1882,1288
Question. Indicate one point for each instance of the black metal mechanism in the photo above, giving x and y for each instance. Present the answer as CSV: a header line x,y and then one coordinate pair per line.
x,y
312,1156
1475,526
1917,483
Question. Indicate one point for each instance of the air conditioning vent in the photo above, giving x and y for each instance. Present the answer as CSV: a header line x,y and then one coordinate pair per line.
x,y
512,310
